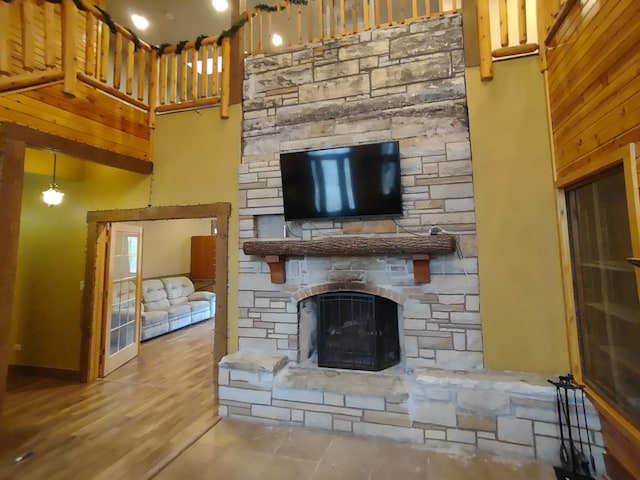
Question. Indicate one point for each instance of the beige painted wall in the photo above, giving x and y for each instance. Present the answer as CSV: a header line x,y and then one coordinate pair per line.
x,y
51,257
196,161
166,245
197,157
519,262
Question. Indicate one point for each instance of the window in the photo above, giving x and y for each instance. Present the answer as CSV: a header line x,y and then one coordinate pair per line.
x,y
605,289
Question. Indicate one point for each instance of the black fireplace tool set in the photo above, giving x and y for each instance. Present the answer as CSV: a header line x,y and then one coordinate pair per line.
x,y
577,461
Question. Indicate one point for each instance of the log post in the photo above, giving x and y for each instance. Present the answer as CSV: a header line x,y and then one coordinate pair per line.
x,y
5,38
153,88
69,46
28,35
226,78
11,182
484,40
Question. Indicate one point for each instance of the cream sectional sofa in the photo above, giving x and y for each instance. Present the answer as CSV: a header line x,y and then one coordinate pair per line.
x,y
172,303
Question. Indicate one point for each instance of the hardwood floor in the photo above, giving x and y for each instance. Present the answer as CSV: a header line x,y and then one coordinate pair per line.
x,y
126,426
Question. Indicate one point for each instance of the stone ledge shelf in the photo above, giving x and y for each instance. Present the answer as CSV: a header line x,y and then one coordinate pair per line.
x,y
419,247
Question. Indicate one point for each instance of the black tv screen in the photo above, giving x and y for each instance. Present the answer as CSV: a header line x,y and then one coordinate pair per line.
x,y
357,181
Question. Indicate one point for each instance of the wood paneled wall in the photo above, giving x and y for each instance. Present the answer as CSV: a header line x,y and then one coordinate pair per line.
x,y
92,118
594,92
593,66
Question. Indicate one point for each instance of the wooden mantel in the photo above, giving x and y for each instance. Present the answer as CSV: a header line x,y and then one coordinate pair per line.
x,y
419,247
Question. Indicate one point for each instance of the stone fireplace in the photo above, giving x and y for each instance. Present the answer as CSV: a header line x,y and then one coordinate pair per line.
x,y
403,83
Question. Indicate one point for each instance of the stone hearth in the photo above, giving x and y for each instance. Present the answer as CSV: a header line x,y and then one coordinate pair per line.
x,y
505,413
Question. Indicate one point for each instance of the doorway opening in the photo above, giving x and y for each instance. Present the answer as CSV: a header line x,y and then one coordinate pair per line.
x,y
92,366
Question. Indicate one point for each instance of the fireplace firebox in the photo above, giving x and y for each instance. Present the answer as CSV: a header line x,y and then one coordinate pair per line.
x,y
357,331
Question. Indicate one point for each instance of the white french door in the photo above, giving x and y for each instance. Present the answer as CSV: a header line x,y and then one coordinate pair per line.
x,y
122,299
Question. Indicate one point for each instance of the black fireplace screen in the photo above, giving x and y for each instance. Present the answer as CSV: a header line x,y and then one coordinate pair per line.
x,y
357,331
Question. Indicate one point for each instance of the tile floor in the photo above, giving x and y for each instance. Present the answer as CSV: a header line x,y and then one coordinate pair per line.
x,y
234,450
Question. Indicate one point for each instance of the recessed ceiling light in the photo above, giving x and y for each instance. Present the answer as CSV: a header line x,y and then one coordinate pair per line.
x,y
169,16
139,21
220,5
276,40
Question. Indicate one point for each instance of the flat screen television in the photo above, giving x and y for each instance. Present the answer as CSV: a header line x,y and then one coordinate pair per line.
x,y
356,181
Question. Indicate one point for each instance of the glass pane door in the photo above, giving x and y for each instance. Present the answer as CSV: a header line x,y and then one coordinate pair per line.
x,y
606,291
123,312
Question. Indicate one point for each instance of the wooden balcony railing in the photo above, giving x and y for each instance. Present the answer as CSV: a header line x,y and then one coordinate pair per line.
x,y
70,41
44,42
297,24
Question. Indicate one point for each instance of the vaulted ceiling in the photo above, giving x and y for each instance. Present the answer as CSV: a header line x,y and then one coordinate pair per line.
x,y
170,20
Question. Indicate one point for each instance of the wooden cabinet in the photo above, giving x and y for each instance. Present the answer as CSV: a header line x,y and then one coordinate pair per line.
x,y
203,257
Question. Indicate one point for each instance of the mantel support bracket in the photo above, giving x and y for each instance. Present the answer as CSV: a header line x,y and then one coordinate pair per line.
x,y
421,268
276,268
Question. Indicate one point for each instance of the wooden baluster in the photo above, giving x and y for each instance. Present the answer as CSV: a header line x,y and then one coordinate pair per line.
x,y
130,66
153,87
50,36
250,49
117,62
142,68
289,29
104,53
204,78
484,40
354,16
343,19
522,21
440,7
193,90
504,23
283,33
321,18
183,75
414,8
5,38
332,19
90,44
162,80
389,12
365,13
454,6
215,70
378,14
299,25
28,35
309,11
226,77
69,46
260,32
173,77
269,33
427,8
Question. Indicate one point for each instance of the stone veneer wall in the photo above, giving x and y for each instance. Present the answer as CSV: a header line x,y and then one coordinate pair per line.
x,y
505,413
402,83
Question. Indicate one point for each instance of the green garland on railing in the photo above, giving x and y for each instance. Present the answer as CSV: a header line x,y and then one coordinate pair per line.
x,y
235,26
245,18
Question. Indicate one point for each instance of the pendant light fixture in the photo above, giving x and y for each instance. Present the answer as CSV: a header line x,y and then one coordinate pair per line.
x,y
53,196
